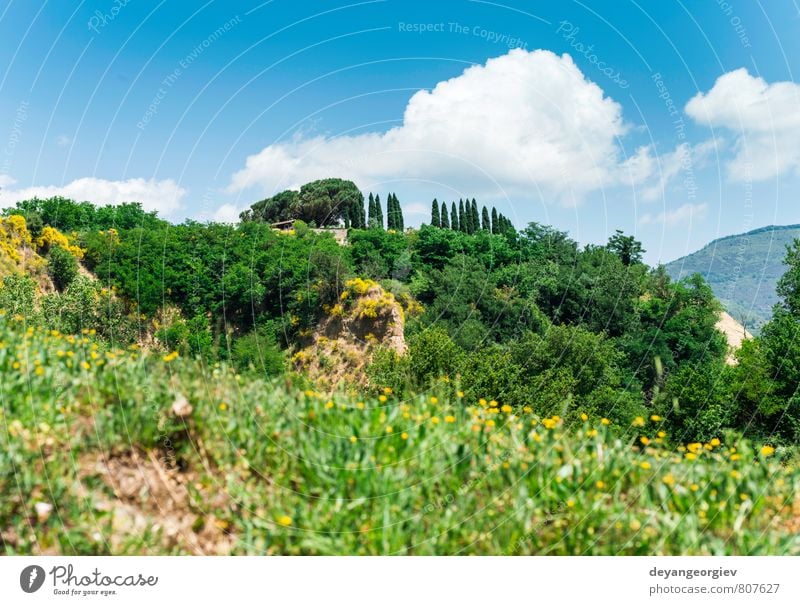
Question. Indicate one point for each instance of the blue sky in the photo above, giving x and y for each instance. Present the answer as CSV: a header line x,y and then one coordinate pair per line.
x,y
676,121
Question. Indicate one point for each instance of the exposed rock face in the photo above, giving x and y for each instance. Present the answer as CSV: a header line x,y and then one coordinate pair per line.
x,y
735,333
366,317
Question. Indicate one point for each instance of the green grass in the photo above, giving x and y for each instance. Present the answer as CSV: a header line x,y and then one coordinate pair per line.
x,y
272,468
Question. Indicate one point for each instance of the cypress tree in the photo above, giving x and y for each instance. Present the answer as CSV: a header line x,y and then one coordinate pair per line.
x,y
435,220
372,212
485,224
378,212
396,214
399,221
362,215
475,219
394,210
390,212
454,218
494,221
462,217
445,221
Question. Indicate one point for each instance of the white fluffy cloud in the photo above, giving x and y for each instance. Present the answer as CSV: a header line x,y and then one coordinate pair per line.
x,y
164,196
525,123
687,213
765,118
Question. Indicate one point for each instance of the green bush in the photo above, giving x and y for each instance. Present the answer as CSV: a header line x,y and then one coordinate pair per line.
x,y
62,267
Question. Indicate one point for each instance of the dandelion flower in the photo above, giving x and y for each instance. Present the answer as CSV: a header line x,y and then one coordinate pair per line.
x,y
767,450
450,419
284,520
353,439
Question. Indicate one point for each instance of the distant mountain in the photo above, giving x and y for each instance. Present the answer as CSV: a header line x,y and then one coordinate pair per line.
x,y
743,271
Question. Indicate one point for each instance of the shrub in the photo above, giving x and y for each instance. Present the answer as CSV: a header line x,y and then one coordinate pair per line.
x,y
62,267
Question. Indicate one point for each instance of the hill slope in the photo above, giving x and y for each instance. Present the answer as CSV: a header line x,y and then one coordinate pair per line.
x,y
742,270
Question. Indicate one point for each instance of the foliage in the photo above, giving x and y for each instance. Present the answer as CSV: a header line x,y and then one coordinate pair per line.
x,y
67,215
62,267
423,475
258,351
322,203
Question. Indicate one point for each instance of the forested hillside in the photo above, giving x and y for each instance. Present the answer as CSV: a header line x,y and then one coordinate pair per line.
x,y
551,377
742,270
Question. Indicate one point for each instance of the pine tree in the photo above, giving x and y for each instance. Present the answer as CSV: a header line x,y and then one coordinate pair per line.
x,y
454,225
378,212
445,221
494,221
485,224
462,217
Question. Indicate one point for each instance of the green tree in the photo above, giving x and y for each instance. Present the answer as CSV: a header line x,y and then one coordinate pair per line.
x,y
628,249
486,224
454,224
378,212
495,226
463,224
445,221
435,220
61,266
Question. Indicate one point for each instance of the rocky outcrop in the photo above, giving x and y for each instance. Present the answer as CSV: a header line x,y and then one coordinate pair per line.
x,y
365,317
735,333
